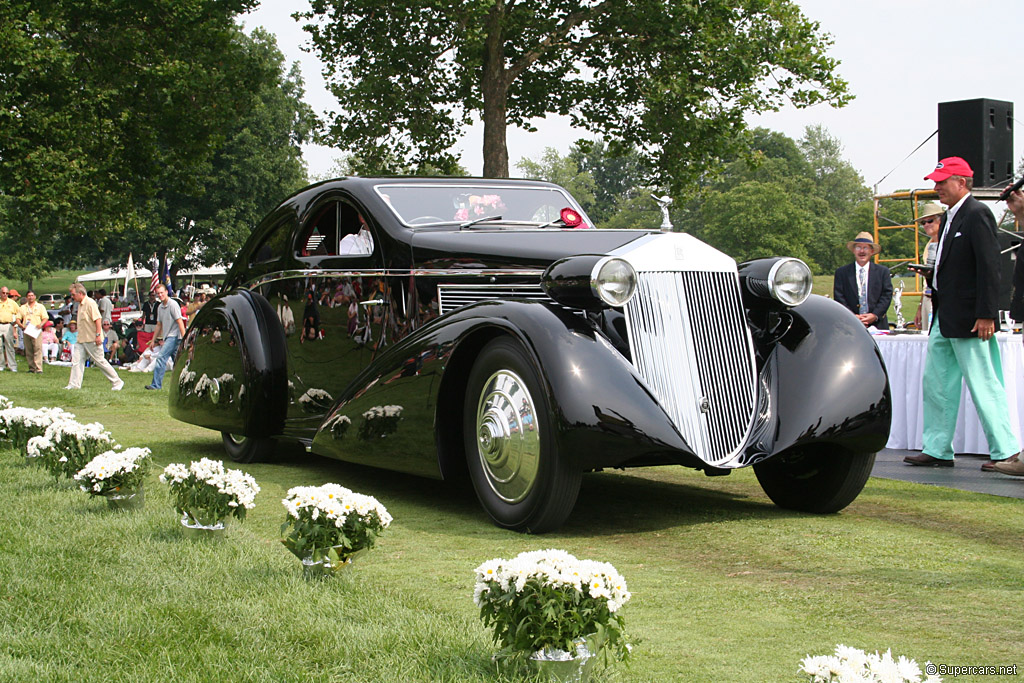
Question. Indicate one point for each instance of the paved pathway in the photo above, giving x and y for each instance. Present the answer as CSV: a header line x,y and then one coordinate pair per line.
x,y
966,475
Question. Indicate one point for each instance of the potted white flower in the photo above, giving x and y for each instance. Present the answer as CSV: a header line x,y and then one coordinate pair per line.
x,y
206,494
327,526
851,664
117,476
67,445
18,425
555,609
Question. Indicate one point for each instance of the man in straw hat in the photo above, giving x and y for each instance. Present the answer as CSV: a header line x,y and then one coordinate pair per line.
x,y
961,343
928,219
863,286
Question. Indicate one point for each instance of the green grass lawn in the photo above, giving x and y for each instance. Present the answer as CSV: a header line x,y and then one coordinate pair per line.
x,y
55,283
726,587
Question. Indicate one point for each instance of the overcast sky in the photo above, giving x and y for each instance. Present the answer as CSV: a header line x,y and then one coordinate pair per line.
x,y
900,57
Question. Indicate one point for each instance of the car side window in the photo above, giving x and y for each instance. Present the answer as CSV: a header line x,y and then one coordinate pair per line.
x,y
273,245
336,229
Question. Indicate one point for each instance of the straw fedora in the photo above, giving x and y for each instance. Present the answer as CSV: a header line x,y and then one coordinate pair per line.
x,y
930,209
864,238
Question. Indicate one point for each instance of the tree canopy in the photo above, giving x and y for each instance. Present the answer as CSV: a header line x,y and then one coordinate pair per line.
x,y
121,119
671,78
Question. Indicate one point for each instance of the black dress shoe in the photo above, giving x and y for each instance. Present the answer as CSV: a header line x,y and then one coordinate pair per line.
x,y
925,460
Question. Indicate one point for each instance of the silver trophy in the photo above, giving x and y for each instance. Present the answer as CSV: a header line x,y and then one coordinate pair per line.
x,y
897,299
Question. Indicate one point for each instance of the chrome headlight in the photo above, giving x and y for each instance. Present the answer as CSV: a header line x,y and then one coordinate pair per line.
x,y
613,281
589,281
790,281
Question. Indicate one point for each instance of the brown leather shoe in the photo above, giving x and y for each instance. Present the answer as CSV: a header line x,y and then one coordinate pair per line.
x,y
925,460
989,465
1009,466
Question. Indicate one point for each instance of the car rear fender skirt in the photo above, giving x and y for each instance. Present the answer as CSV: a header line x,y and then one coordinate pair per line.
x,y
832,384
604,415
230,374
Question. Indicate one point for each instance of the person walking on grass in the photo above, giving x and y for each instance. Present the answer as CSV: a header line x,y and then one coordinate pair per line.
x,y
170,330
89,344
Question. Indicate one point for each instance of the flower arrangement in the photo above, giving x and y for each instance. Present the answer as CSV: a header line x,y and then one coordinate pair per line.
x,y
849,664
339,424
206,494
329,524
67,445
113,472
315,400
549,600
21,424
379,421
5,403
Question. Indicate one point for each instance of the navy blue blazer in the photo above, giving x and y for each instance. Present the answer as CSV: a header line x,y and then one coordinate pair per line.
x,y
968,272
845,290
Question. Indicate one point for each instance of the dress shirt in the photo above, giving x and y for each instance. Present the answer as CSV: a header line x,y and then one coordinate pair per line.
x,y
33,315
950,215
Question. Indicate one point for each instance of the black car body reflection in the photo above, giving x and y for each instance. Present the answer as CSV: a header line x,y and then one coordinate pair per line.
x,y
434,325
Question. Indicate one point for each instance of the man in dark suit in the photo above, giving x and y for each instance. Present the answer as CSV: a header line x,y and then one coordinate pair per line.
x,y
863,286
961,343
1015,202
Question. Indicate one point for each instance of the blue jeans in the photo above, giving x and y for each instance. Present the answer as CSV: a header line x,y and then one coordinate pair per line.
x,y
165,353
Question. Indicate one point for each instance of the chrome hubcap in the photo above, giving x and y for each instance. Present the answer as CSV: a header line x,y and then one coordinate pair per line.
x,y
508,441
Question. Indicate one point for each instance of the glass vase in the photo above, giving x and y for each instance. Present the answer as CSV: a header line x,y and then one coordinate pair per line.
x,y
126,498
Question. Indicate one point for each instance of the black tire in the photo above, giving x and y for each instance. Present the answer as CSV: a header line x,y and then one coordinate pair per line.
x,y
247,449
820,479
520,478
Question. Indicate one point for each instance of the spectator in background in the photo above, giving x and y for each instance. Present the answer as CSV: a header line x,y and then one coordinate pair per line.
x,y
90,342
931,214
864,287
31,317
70,335
170,330
105,305
149,311
49,340
1015,202
961,342
110,342
9,312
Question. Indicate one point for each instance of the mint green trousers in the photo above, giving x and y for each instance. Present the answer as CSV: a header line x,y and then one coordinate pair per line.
x,y
949,361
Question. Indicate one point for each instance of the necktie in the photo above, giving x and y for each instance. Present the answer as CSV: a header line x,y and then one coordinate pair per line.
x,y
863,290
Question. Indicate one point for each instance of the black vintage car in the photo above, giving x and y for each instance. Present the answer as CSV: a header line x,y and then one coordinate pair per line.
x,y
433,325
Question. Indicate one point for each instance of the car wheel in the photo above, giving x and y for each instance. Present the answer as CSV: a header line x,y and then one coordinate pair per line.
x,y
519,477
246,448
817,479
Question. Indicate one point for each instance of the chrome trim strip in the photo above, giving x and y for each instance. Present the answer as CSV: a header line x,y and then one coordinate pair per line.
x,y
385,272
451,297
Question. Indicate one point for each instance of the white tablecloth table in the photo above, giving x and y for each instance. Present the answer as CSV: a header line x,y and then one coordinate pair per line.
x,y
904,356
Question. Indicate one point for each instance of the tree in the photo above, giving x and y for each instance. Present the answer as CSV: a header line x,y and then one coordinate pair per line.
x,y
104,103
759,219
672,78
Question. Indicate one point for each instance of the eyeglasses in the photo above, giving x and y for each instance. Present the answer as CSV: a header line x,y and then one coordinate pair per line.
x,y
926,221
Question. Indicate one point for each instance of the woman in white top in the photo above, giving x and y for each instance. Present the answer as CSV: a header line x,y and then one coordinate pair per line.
x,y
931,215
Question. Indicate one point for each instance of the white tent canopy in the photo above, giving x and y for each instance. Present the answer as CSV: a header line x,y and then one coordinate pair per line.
x,y
111,274
210,272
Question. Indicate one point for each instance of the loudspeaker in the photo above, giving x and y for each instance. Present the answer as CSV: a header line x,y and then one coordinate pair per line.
x,y
981,132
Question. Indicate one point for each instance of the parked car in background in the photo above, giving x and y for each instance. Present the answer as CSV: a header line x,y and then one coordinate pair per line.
x,y
441,326
51,300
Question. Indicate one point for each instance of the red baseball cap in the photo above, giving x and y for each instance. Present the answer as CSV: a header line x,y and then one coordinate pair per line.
x,y
950,166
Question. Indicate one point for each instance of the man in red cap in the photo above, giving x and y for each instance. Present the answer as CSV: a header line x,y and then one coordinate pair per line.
x,y
965,301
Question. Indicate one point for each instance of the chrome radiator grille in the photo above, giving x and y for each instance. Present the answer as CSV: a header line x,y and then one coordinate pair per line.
x,y
689,341
451,297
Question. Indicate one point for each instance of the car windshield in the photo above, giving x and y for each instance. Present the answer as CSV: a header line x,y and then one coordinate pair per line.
x,y
466,205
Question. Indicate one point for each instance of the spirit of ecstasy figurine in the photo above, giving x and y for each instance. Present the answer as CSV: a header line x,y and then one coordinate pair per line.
x,y
663,204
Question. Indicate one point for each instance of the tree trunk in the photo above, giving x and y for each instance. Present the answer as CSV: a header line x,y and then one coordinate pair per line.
x,y
494,88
